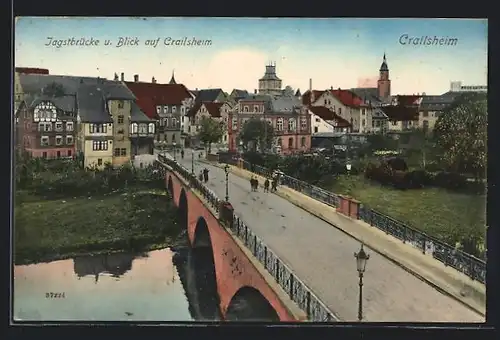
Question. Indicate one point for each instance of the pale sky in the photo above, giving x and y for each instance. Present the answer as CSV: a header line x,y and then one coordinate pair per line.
x,y
332,52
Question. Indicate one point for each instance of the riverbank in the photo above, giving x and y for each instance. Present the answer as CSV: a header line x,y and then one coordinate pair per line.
x,y
438,212
135,220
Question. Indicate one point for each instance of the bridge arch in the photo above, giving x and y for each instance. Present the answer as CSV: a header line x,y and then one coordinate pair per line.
x,y
248,304
170,187
203,264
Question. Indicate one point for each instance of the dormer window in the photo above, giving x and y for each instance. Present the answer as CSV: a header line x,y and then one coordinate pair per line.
x,y
183,110
158,109
151,128
134,128
256,108
174,109
165,109
245,108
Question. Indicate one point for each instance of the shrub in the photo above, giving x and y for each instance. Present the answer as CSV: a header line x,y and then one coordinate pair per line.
x,y
450,180
397,163
398,180
418,179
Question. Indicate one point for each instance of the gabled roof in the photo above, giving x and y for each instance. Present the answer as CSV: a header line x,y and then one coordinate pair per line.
x,y
298,94
66,103
348,98
208,95
213,109
400,113
137,116
328,115
92,105
239,93
306,97
194,109
377,113
150,95
256,97
369,94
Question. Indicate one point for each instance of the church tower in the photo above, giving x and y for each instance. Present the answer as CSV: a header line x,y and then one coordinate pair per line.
x,y
270,83
172,80
384,83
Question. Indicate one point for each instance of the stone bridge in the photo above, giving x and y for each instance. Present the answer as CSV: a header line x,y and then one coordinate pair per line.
x,y
246,289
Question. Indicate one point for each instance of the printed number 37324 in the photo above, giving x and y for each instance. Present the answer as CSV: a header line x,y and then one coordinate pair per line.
x,y
52,295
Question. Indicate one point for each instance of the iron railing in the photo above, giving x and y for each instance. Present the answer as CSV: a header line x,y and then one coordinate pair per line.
x,y
466,263
297,290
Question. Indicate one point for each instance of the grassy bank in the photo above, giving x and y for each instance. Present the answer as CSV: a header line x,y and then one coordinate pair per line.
x,y
438,212
132,221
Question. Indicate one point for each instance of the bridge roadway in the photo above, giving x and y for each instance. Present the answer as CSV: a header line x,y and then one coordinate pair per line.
x,y
323,257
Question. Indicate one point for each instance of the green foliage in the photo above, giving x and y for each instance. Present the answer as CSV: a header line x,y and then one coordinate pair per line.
x,y
462,131
378,142
257,134
211,131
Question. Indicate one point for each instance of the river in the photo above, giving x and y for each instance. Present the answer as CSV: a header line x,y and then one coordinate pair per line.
x,y
161,285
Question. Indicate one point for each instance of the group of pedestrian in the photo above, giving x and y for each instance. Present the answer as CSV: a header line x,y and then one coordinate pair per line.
x,y
269,184
203,175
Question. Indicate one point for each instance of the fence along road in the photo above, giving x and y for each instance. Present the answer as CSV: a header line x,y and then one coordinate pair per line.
x,y
323,257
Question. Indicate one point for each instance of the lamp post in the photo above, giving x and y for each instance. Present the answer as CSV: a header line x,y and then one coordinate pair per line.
x,y
174,144
348,166
361,260
192,161
226,170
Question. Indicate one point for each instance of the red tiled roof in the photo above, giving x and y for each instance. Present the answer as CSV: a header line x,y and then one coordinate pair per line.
x,y
328,115
400,113
306,97
213,109
194,109
407,100
348,98
149,95
32,70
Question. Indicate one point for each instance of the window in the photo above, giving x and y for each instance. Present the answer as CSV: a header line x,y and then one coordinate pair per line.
x,y
158,109
315,129
363,112
326,101
98,128
318,120
58,154
329,101
303,123
69,126
46,127
59,140
120,104
59,126
151,128
245,108
44,154
99,145
173,138
425,124
69,140
69,153
165,109
340,111
133,128
120,119
174,109
425,114
290,143
234,123
256,108
143,128
373,123
279,124
116,152
183,110
174,122
363,122
99,161
394,123
292,124
303,141
44,141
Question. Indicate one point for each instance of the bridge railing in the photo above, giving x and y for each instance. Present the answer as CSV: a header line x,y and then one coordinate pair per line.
x,y
297,290
466,263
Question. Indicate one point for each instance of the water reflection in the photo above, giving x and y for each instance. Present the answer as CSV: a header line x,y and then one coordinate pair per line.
x,y
117,287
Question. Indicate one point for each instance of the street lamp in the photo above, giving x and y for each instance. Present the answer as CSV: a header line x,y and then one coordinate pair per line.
x,y
192,161
361,260
348,166
226,170
174,144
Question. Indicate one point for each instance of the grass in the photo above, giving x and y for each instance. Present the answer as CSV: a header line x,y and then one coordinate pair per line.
x,y
50,229
437,212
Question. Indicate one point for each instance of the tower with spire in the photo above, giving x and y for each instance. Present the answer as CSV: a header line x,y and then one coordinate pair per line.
x,y
172,80
384,83
270,83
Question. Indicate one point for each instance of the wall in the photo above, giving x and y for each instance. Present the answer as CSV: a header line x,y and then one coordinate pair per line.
x,y
121,140
52,153
430,116
319,125
85,145
228,283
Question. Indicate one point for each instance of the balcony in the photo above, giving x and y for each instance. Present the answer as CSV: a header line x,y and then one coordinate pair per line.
x,y
141,134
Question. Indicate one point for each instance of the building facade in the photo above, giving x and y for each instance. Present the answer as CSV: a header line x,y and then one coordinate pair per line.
x,y
46,126
323,120
431,108
142,132
289,119
456,86
216,111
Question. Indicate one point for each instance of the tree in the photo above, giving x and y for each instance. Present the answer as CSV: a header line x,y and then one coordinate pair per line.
x,y
211,131
461,132
422,141
258,134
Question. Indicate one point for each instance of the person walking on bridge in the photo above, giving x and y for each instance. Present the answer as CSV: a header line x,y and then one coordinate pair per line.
x,y
266,185
182,153
205,174
200,176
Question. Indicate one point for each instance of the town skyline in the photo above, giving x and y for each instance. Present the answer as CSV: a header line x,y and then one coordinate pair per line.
x,y
233,52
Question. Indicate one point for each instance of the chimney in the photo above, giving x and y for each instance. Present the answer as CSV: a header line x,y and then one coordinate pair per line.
x,y
136,78
331,88
153,80
122,76
115,77
310,84
255,91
